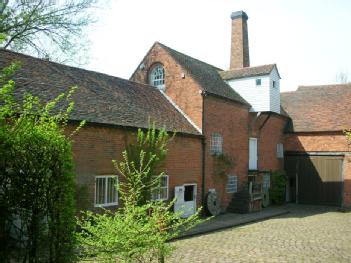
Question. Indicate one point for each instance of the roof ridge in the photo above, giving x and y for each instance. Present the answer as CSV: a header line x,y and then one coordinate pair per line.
x,y
264,65
60,64
324,85
183,54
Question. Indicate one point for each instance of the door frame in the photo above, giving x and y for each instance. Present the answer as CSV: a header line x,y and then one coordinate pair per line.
x,y
195,193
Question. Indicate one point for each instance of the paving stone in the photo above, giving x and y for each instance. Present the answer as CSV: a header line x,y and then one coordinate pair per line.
x,y
306,234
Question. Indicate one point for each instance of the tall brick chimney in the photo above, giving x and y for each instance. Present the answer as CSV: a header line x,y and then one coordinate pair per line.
x,y
239,55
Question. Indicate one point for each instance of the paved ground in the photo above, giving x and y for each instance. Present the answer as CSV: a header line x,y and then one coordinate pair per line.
x,y
230,219
307,234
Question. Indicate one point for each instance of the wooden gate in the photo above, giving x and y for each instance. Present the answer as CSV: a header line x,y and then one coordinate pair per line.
x,y
318,179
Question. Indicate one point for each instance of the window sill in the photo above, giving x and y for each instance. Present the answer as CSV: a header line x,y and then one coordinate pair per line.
x,y
106,205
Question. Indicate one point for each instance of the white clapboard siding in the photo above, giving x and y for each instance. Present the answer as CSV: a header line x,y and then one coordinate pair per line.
x,y
263,97
275,92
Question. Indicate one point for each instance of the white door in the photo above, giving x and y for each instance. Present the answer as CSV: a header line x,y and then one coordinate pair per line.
x,y
185,200
253,154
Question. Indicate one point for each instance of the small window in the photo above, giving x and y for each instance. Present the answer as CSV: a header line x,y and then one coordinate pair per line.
x,y
216,144
157,77
258,82
106,190
274,84
280,150
232,184
161,193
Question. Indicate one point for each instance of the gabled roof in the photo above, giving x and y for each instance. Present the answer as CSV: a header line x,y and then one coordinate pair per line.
x,y
206,75
100,98
318,108
248,72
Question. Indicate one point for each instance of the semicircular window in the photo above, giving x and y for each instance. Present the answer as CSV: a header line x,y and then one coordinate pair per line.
x,y
157,77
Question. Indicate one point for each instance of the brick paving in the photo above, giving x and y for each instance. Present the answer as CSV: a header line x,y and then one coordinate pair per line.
x,y
306,234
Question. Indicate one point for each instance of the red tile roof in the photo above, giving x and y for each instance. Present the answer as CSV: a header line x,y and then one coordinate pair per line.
x,y
100,98
318,108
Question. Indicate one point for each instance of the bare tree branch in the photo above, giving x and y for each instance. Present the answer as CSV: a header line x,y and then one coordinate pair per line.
x,y
44,28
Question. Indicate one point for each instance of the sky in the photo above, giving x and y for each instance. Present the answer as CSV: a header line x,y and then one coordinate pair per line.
x,y
310,40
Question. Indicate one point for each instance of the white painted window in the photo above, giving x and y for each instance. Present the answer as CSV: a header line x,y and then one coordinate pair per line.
x,y
106,190
274,84
232,184
157,77
258,82
280,150
161,193
216,144
253,154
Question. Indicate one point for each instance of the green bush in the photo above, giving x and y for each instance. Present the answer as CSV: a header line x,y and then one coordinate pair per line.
x,y
36,177
278,187
139,231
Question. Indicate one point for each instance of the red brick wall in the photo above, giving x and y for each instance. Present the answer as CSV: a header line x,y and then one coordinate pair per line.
x,y
185,92
269,129
95,147
230,120
324,142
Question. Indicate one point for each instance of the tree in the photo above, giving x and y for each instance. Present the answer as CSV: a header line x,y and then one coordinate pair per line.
x,y
348,135
45,28
342,78
36,177
139,231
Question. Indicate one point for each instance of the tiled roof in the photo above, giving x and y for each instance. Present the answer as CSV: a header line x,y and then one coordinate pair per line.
x,y
318,108
206,75
100,98
247,72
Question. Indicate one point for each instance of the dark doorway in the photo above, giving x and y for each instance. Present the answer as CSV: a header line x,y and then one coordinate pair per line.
x,y
315,179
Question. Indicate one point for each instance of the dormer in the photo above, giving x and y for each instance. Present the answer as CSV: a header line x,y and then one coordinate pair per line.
x,y
260,86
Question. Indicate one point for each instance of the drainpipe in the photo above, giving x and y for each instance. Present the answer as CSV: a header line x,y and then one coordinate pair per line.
x,y
203,185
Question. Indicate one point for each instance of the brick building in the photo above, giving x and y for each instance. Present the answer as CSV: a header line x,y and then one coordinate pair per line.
x,y
231,124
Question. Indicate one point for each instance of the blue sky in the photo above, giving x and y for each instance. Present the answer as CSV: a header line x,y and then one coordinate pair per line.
x,y
309,40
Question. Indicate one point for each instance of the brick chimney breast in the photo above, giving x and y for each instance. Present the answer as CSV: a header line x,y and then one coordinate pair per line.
x,y
239,55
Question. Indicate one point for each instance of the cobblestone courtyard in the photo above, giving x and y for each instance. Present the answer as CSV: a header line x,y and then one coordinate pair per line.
x,y
307,234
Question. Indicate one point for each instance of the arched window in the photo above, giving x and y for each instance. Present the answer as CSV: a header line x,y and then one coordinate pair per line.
x,y
216,144
157,77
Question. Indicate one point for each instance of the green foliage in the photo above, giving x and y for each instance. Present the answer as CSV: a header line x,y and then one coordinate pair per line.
x,y
36,177
48,29
278,185
146,154
348,135
139,231
221,164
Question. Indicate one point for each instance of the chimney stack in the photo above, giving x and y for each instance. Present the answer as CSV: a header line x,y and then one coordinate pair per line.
x,y
239,55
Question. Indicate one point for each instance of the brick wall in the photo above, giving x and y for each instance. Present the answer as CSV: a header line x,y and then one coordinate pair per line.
x,y
230,120
95,147
185,92
324,142
269,129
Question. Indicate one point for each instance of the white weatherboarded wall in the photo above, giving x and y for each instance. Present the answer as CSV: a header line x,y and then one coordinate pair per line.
x,y
262,98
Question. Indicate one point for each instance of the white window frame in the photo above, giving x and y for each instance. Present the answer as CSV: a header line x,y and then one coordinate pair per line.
x,y
155,78
105,204
232,187
274,84
159,190
280,150
216,143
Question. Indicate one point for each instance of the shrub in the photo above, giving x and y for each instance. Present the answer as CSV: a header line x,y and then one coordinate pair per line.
x,y
36,177
278,185
139,231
